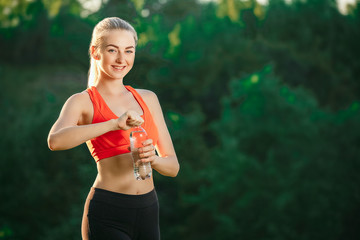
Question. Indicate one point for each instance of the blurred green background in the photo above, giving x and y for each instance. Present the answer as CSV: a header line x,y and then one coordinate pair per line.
x,y
261,100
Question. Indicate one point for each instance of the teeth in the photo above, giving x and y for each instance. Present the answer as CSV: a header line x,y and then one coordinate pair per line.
x,y
119,68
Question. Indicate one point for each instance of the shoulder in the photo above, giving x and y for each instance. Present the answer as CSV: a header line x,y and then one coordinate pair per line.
x,y
148,95
79,100
150,99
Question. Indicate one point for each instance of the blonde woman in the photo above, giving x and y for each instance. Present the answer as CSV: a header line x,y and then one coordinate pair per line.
x,y
118,206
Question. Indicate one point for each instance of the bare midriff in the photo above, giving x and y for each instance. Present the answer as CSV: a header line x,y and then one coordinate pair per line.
x,y
116,174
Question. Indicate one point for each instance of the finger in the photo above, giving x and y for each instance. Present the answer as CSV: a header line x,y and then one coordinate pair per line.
x,y
147,142
147,154
137,163
147,148
133,115
134,123
136,118
148,159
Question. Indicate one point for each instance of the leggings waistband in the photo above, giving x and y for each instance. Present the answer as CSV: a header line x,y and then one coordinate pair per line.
x,y
125,200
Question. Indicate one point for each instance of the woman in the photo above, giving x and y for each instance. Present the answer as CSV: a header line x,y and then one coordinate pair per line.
x,y
118,206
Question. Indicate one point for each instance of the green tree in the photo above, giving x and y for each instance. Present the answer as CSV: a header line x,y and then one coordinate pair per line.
x,y
280,170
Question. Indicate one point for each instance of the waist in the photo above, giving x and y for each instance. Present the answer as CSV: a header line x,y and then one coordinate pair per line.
x,y
116,168
117,174
125,200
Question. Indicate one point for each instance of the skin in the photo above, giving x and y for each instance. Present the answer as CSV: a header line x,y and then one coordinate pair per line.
x,y
115,58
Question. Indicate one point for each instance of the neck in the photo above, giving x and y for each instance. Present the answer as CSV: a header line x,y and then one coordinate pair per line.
x,y
112,87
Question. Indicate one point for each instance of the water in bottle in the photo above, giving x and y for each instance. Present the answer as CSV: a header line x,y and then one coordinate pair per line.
x,y
142,170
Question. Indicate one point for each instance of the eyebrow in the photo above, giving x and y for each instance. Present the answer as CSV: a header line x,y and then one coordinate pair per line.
x,y
112,45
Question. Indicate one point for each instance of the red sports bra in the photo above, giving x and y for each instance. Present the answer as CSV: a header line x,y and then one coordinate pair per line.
x,y
116,142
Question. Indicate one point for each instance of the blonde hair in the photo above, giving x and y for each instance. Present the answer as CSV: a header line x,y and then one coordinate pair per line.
x,y
110,23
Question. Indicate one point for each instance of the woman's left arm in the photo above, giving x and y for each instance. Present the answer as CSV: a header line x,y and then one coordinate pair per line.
x,y
166,163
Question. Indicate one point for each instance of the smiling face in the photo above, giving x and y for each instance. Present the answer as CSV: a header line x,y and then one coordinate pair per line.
x,y
116,54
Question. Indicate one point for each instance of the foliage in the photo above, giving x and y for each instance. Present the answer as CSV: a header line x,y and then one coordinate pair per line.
x,y
279,171
36,184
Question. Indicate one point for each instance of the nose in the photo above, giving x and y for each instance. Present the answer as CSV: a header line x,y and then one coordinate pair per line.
x,y
120,57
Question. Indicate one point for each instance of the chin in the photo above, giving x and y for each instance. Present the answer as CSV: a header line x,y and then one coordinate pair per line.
x,y
121,74
116,75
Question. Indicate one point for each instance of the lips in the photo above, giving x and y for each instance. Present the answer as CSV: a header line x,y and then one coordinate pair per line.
x,y
118,68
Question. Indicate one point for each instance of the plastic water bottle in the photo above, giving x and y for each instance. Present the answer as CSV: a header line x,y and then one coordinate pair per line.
x,y
142,170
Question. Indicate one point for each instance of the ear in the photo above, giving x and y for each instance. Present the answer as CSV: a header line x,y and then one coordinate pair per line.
x,y
94,53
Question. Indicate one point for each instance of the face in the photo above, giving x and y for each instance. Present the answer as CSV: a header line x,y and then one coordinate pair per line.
x,y
115,57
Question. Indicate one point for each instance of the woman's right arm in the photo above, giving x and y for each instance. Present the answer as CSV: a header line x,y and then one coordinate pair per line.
x,y
67,132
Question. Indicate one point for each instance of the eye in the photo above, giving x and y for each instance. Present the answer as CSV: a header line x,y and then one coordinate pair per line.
x,y
112,50
129,51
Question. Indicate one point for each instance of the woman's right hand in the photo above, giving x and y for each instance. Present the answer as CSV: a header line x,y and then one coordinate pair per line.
x,y
128,120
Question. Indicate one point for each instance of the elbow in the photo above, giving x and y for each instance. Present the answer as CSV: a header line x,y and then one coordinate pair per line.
x,y
52,143
176,171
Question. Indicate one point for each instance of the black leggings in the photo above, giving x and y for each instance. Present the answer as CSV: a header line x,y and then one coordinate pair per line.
x,y
117,216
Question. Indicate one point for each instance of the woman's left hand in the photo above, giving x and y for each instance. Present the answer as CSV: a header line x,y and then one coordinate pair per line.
x,y
147,153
